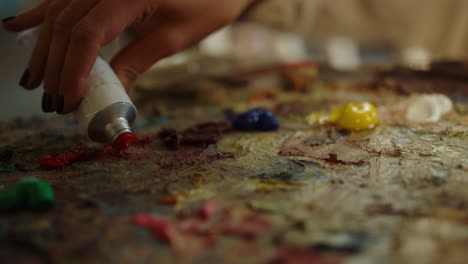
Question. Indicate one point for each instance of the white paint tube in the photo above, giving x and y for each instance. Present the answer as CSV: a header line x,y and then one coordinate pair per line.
x,y
105,111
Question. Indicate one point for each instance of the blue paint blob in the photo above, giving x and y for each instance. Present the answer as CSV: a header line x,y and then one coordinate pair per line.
x,y
256,119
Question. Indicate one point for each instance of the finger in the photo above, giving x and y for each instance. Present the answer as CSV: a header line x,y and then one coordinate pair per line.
x,y
82,55
28,19
97,28
37,63
167,39
144,51
62,27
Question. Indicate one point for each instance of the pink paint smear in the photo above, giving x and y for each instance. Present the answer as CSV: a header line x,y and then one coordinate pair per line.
x,y
191,234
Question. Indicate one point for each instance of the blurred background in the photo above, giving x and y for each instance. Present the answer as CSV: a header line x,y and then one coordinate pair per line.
x,y
15,101
344,34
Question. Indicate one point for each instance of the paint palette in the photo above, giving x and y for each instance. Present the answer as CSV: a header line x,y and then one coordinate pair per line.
x,y
195,189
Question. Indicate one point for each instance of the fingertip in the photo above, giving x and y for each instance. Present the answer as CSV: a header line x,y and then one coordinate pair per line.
x,y
29,80
14,27
47,103
69,105
27,19
9,24
15,24
7,19
25,79
70,97
64,105
60,103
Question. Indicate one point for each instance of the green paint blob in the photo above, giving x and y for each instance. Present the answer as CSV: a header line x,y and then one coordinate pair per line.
x,y
27,193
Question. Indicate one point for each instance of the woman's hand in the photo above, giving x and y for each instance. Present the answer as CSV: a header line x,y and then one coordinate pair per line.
x,y
73,32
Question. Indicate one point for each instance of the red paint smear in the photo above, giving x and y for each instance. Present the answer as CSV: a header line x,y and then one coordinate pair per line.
x,y
160,227
82,152
204,226
208,210
141,141
249,227
61,159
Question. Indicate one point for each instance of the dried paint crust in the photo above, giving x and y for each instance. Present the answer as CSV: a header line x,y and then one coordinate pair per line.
x,y
300,194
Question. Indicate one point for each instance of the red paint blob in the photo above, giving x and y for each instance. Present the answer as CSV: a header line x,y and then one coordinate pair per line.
x,y
61,159
124,141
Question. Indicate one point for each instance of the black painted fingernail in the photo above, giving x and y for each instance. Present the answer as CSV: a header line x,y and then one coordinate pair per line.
x,y
6,19
60,104
46,102
25,78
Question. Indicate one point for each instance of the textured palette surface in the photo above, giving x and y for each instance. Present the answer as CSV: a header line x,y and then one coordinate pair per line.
x,y
212,194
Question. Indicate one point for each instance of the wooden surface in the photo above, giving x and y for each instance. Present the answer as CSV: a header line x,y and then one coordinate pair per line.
x,y
395,194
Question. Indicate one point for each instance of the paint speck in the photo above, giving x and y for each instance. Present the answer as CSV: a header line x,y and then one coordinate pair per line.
x,y
169,200
160,227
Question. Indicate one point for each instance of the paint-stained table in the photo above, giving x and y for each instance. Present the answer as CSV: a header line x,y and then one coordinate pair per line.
x,y
301,194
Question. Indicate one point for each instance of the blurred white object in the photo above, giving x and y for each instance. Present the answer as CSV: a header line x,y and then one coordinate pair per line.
x,y
343,53
416,57
289,47
428,108
253,40
218,43
28,37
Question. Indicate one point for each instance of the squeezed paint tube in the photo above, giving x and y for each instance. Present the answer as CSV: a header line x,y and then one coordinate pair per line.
x,y
106,111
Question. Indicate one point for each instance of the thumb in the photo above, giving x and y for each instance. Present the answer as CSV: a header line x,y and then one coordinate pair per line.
x,y
141,53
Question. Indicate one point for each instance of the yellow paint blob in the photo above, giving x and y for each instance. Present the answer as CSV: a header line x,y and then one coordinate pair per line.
x,y
352,116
